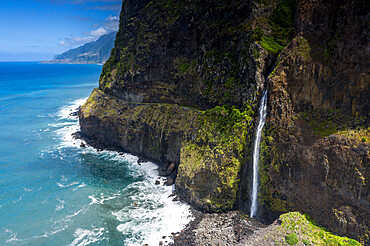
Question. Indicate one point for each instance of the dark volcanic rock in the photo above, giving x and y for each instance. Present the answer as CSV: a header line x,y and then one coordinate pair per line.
x,y
231,228
139,129
314,159
184,79
195,54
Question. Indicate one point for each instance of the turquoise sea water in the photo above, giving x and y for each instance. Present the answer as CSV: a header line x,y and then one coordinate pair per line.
x,y
52,192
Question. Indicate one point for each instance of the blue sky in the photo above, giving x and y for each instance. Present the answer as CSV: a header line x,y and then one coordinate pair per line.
x,y
36,30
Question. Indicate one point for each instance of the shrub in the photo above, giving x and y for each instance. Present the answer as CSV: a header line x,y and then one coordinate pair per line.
x,y
291,239
352,242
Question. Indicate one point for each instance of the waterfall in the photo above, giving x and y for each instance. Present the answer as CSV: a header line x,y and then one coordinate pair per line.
x,y
262,112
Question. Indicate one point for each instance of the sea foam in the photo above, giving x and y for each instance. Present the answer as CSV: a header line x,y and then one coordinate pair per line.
x,y
151,216
87,237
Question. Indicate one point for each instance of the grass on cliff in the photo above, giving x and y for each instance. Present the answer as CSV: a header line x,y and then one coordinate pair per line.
x,y
298,229
281,23
327,122
219,148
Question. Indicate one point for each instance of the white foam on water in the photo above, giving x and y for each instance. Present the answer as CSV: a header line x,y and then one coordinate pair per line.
x,y
26,190
79,186
66,135
82,210
14,236
45,115
102,198
152,216
66,129
65,112
60,206
61,124
86,237
63,223
151,213
67,185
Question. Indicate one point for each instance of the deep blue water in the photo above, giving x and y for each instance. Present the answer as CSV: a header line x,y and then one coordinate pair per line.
x,y
52,192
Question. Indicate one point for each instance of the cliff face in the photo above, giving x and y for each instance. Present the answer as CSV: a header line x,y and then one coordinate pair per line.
x,y
193,53
316,154
183,82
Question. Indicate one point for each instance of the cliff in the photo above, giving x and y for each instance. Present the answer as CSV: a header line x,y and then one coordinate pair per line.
x,y
316,140
94,52
183,82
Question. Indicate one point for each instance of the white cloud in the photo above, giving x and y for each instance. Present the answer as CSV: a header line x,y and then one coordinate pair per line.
x,y
83,39
77,41
111,23
98,32
112,18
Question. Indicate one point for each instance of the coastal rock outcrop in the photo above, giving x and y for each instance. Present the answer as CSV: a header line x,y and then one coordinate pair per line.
x,y
184,79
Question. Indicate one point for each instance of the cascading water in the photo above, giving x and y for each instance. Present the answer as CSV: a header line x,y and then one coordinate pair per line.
x,y
262,112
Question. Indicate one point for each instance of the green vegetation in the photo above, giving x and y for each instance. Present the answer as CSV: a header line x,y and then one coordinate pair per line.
x,y
270,44
327,122
257,34
291,239
215,155
270,165
92,107
123,67
183,66
220,73
360,134
226,117
296,228
303,48
281,23
306,242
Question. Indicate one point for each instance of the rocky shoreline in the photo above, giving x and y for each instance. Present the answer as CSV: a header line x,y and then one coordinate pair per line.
x,y
168,171
229,228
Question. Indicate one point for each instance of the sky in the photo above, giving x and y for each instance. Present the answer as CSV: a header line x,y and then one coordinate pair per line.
x,y
37,30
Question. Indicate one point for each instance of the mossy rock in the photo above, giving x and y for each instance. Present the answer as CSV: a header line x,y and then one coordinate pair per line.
x,y
210,162
296,227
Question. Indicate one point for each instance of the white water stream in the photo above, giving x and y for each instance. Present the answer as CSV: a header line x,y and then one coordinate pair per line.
x,y
262,112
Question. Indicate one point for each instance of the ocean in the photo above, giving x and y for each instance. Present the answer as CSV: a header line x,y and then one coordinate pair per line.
x,y
54,192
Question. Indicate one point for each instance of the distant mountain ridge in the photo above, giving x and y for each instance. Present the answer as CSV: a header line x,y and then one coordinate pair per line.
x,y
94,52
